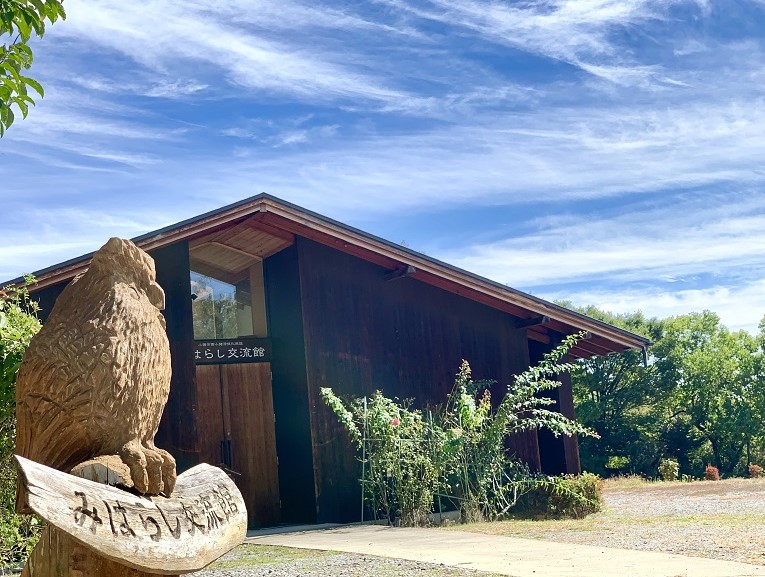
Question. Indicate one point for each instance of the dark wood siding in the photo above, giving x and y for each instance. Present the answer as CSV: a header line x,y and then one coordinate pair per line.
x,y
290,390
570,444
558,454
209,413
178,428
403,337
46,298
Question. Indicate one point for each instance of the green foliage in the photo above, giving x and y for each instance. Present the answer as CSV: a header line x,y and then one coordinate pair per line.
x,y
18,536
669,469
215,318
18,323
616,396
618,462
523,406
567,496
19,21
715,388
476,467
400,476
220,310
701,398
457,451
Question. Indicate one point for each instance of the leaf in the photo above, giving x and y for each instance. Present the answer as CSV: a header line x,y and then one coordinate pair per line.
x,y
6,116
55,10
34,84
22,106
26,51
24,28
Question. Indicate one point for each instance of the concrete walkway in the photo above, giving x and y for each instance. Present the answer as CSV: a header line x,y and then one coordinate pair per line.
x,y
505,555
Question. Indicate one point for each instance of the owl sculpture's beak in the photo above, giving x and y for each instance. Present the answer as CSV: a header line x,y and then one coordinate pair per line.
x,y
156,296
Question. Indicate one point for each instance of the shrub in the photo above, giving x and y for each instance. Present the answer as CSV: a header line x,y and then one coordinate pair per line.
x,y
459,450
18,323
755,471
399,478
565,496
711,473
668,469
617,462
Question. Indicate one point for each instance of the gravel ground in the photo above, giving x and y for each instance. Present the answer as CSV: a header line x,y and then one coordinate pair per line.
x,y
718,520
268,561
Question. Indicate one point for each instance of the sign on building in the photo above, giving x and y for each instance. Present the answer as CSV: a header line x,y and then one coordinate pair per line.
x,y
231,351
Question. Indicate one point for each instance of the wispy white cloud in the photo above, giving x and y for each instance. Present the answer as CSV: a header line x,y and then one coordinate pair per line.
x,y
544,156
171,37
670,257
740,307
278,134
679,238
150,86
61,233
578,32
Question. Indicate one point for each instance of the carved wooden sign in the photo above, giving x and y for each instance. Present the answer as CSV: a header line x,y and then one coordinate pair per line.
x,y
205,518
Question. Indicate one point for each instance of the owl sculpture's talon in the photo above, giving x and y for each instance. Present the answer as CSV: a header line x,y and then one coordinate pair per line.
x,y
168,471
132,454
152,470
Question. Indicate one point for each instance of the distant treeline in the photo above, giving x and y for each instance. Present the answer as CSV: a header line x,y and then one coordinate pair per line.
x,y
700,399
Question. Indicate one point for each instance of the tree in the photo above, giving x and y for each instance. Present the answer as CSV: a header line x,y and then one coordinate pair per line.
x,y
620,398
700,400
19,21
716,388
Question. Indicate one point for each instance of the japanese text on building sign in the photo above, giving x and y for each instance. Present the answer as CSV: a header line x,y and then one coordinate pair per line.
x,y
243,350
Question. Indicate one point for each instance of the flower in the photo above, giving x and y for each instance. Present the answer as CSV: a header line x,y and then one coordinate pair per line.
x,y
395,422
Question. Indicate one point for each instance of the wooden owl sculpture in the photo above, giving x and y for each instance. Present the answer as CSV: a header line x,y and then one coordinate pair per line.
x,y
96,378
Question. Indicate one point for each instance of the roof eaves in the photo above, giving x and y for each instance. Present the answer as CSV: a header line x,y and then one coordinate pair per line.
x,y
264,202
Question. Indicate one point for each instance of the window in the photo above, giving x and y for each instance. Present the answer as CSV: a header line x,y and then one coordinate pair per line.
x,y
220,310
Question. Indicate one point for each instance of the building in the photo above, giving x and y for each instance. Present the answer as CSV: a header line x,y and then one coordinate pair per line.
x,y
267,302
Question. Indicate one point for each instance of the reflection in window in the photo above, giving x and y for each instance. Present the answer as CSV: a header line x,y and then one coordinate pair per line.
x,y
220,310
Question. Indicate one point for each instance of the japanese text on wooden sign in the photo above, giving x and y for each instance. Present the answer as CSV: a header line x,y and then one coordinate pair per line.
x,y
205,517
206,512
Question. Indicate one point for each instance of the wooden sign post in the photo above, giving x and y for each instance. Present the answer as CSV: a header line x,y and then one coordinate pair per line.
x,y
205,518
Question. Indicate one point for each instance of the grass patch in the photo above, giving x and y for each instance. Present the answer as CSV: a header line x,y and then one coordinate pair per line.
x,y
260,560
248,555
626,482
531,527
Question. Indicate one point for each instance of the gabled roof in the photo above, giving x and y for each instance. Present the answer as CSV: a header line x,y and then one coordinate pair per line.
x,y
544,321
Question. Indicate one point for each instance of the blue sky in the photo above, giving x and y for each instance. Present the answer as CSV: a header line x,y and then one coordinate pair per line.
x,y
608,153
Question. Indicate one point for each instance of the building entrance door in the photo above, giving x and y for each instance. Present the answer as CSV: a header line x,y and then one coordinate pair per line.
x,y
235,416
